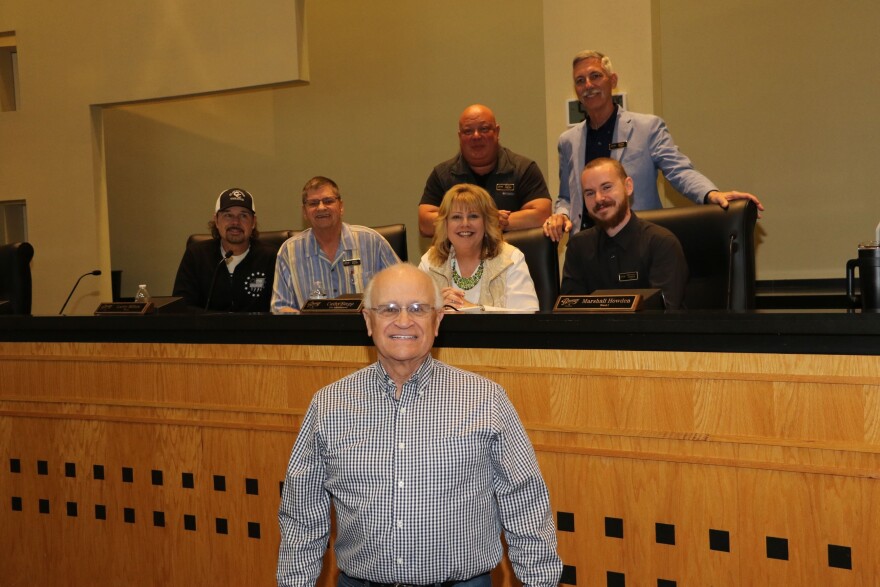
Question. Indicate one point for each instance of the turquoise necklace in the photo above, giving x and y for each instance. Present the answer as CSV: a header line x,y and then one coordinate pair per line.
x,y
466,283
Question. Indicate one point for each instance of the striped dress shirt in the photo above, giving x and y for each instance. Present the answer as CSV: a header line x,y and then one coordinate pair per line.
x,y
422,486
362,253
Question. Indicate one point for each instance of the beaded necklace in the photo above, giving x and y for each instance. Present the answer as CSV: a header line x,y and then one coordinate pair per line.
x,y
466,283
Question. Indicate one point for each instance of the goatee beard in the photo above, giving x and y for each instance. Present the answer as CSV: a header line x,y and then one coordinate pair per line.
x,y
613,220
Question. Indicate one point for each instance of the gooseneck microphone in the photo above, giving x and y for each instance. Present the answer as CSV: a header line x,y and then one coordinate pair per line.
x,y
95,272
214,278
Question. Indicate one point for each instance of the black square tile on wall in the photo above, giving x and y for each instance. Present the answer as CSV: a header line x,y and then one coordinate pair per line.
x,y
777,548
665,533
719,540
569,575
253,530
565,521
614,527
839,557
221,525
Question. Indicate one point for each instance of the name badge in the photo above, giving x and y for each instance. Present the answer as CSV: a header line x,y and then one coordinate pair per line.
x,y
618,145
504,187
628,276
350,262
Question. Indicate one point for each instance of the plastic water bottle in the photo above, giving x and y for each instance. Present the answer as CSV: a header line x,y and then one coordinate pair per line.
x,y
142,294
318,291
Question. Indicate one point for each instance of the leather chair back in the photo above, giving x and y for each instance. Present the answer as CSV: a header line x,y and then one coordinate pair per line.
x,y
395,234
542,257
719,246
15,278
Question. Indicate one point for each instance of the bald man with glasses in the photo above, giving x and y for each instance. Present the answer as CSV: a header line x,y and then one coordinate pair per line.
x,y
425,465
329,259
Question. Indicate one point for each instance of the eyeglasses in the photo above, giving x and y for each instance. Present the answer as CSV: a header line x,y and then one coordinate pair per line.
x,y
315,203
483,130
416,310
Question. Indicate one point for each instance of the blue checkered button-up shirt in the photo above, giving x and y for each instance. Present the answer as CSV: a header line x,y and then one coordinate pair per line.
x,y
422,486
362,253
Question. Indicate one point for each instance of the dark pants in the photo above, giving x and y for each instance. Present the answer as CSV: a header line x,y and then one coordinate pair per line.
x,y
484,580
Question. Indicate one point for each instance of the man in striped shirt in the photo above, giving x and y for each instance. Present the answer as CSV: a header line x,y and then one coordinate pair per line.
x,y
425,465
331,257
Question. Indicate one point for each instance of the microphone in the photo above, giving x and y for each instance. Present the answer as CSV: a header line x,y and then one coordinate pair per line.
x,y
214,278
95,272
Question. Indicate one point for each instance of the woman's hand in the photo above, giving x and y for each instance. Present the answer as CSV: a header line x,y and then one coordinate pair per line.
x,y
453,300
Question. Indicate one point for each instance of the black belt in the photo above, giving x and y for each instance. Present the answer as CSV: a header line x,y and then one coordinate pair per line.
x,y
366,583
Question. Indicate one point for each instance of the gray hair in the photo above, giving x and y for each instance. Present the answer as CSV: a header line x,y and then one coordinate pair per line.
x,y
590,54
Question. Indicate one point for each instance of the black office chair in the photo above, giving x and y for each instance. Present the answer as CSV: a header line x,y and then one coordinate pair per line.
x,y
395,234
542,257
15,278
719,246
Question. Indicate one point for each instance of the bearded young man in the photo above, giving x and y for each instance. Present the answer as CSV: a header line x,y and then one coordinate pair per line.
x,y
621,251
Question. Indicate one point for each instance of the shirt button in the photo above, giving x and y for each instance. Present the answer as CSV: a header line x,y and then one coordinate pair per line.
x,y
400,483
400,446
402,410
400,561
400,523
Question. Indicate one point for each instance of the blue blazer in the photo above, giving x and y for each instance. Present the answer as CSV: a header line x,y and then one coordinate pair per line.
x,y
649,148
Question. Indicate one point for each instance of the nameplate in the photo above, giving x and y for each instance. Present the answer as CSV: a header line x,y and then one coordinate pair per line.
x,y
333,306
124,308
597,303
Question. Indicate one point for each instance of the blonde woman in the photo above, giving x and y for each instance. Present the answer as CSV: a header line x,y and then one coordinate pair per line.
x,y
469,260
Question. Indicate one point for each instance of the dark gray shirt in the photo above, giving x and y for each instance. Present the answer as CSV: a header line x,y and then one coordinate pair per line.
x,y
515,180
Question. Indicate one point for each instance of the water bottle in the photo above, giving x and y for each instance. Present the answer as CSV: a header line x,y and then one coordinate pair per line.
x,y
142,294
318,291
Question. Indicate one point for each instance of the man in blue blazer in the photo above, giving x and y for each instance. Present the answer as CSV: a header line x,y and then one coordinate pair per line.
x,y
641,142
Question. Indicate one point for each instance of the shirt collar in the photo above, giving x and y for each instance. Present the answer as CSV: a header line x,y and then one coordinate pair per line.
x,y
417,382
608,126
627,235
346,242
503,165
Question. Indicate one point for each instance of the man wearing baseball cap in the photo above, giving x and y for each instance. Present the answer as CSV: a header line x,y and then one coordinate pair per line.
x,y
233,271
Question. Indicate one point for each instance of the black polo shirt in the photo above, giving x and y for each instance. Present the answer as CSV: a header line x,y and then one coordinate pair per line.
x,y
515,180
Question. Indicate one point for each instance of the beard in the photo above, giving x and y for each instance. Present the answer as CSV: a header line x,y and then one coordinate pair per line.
x,y
613,220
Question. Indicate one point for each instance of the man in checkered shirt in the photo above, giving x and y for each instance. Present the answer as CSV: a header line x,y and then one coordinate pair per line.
x,y
425,465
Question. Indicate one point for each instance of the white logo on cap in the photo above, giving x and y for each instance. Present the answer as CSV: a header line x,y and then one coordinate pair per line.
x,y
236,195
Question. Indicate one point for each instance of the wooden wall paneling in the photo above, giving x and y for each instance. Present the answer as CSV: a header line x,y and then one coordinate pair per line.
x,y
748,445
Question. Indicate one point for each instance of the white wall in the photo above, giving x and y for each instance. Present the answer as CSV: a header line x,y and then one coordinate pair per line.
x,y
780,98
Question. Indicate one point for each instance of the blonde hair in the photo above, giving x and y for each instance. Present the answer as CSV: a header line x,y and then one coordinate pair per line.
x,y
469,197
